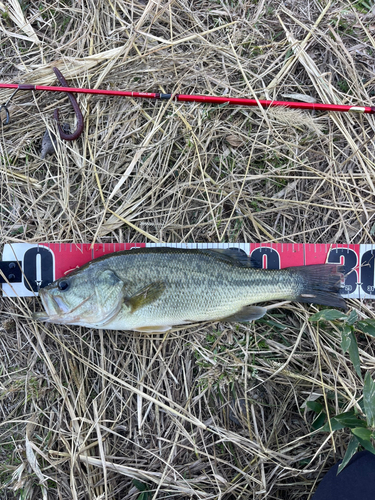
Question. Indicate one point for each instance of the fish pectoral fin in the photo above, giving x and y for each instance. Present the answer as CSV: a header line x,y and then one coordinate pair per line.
x,y
153,329
146,296
247,313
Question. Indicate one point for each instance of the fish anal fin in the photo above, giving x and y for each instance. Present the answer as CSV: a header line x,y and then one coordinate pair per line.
x,y
146,295
247,313
153,329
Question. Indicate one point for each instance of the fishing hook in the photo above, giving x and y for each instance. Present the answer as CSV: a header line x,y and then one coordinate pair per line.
x,y
78,131
5,108
7,119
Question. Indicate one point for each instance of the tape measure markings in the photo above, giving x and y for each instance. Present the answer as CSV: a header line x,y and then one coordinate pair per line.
x,y
42,263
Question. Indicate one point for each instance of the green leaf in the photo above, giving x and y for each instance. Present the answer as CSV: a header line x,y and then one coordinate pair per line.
x,y
354,355
145,495
352,317
366,326
350,419
314,406
369,399
350,451
362,433
319,421
347,419
345,338
328,315
335,425
139,485
361,404
370,321
364,437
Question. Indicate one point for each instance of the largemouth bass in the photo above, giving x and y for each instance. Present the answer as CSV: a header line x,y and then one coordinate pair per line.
x,y
154,289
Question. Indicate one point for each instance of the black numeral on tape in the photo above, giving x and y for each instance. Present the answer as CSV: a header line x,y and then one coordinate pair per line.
x,y
272,258
367,272
350,261
38,268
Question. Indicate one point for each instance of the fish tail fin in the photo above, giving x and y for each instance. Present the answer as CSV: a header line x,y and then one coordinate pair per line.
x,y
321,284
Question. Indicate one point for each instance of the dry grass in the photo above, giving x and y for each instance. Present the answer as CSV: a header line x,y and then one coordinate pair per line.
x,y
216,411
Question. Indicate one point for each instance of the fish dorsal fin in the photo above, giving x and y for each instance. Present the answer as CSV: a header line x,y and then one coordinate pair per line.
x,y
146,295
235,256
247,313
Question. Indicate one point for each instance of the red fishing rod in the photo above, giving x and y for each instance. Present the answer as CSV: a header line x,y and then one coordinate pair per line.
x,y
236,101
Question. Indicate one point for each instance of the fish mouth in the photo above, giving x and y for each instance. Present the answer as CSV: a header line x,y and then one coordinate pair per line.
x,y
54,309
39,316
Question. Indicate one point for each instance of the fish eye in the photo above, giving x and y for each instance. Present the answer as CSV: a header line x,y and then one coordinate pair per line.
x,y
63,285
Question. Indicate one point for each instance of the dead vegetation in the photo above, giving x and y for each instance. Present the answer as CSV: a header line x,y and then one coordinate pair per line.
x,y
216,411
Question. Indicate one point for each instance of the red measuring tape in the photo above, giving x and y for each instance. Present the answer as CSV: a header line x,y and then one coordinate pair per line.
x,y
28,267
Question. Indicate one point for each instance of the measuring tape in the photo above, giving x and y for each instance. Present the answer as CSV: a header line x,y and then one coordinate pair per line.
x,y
28,267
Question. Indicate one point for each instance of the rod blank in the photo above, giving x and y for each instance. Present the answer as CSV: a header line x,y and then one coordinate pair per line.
x,y
197,98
